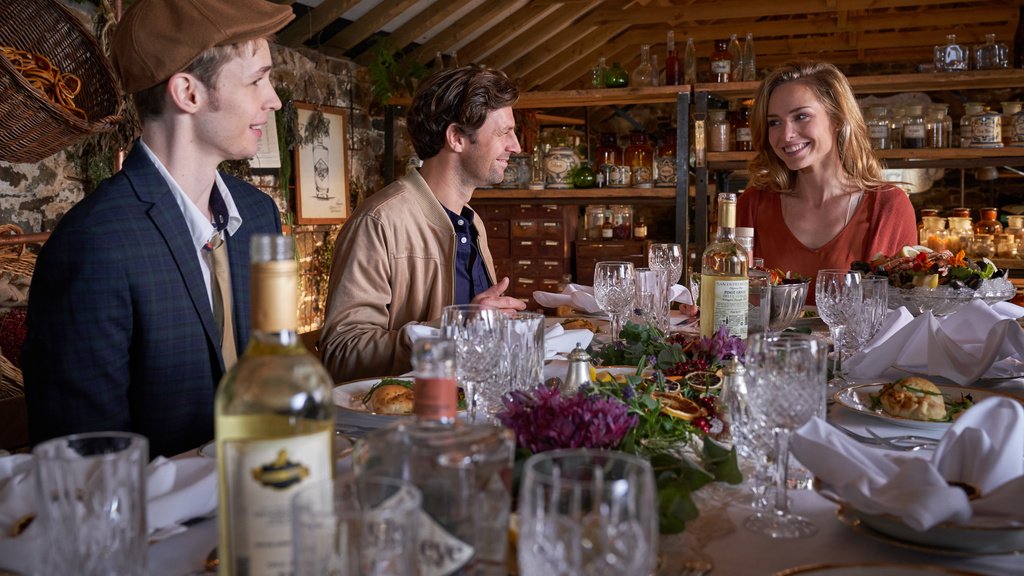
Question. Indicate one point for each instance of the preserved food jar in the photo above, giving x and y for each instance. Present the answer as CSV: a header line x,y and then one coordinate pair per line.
x,y
896,114
622,221
718,131
878,127
665,161
640,159
593,221
608,153
960,233
1017,129
1015,226
988,223
559,165
913,134
982,246
935,234
741,129
950,57
986,130
925,214
1010,110
991,55
1006,246
971,109
935,126
721,62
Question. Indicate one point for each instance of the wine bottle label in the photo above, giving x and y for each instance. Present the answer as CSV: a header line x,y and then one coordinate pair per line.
x,y
743,135
441,553
262,476
731,302
721,66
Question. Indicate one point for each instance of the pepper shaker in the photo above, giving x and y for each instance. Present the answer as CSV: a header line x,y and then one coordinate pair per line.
x,y
579,371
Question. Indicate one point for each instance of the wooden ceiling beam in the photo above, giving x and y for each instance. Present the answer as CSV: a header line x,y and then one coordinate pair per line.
x,y
423,22
569,56
482,18
551,29
483,46
312,23
371,22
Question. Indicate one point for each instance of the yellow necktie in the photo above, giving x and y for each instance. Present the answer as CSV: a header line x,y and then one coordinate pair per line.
x,y
220,285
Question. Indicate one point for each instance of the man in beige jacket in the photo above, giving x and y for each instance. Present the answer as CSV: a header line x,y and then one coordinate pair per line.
x,y
416,246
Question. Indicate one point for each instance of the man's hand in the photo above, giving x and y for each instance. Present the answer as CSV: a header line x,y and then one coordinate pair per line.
x,y
493,297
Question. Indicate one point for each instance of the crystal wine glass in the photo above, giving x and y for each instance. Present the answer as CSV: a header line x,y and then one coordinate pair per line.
x,y
479,335
875,306
652,298
667,257
613,290
838,296
787,388
587,512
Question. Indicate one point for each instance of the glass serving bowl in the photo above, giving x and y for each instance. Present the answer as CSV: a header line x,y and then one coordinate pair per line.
x,y
945,300
787,302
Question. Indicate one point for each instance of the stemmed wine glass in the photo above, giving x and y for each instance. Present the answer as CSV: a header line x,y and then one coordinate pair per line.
x,y
479,335
838,296
613,290
787,388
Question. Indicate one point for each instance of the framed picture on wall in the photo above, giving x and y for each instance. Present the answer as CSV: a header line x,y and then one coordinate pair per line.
x,y
321,169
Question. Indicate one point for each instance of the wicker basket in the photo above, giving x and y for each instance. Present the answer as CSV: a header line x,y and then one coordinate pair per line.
x,y
31,126
16,258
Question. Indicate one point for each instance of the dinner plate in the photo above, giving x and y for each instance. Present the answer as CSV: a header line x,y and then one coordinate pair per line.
x,y
857,398
348,398
874,570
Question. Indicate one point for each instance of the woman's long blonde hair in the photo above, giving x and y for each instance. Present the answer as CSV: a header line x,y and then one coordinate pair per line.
x,y
830,86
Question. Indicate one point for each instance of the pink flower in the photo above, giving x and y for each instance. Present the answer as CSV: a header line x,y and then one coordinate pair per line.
x,y
545,420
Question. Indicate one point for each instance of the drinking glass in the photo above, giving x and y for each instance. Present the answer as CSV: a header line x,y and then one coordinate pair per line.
x,y
480,366
524,340
838,296
93,503
668,257
613,290
651,297
875,290
362,525
787,388
587,511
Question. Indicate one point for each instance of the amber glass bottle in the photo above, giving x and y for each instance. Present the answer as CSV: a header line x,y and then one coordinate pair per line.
x,y
741,128
721,62
640,159
988,223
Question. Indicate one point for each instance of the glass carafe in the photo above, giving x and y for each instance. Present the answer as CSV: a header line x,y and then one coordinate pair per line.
x,y
991,55
950,57
643,74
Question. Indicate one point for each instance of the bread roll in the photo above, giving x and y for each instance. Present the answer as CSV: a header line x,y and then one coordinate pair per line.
x,y
913,398
391,399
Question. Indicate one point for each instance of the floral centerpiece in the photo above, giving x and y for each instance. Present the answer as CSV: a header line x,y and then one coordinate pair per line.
x,y
635,416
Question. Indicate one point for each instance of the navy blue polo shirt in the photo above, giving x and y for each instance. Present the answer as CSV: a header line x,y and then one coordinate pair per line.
x,y
470,275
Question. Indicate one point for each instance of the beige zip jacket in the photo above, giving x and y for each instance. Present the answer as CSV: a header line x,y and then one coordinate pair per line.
x,y
393,265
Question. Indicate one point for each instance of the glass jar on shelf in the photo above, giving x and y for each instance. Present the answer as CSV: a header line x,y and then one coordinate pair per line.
x,y
896,114
960,233
991,55
950,57
593,221
971,109
665,160
584,176
878,127
987,130
598,72
616,77
913,134
721,62
982,246
1015,227
1010,111
925,214
643,74
741,130
988,222
935,234
718,131
1006,246
1016,129
935,126
640,159
622,221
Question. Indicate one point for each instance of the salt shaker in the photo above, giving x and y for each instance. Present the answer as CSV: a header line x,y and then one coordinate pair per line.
x,y
579,371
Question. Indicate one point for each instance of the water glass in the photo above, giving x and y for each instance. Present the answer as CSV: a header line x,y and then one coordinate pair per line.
x,y
479,335
786,377
759,301
92,503
587,511
651,297
614,291
667,256
364,525
875,297
524,340
838,296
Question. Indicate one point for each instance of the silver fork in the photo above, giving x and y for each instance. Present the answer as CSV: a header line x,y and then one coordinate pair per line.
x,y
904,443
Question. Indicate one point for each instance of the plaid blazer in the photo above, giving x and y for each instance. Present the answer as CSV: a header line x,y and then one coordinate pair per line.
x,y
120,333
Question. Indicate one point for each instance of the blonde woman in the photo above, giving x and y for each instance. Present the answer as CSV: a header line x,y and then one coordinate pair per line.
x,y
816,197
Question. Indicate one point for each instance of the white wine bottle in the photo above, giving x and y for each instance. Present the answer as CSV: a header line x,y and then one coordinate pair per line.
x,y
724,287
274,422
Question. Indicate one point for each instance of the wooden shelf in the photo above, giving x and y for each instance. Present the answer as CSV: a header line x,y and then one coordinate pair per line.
x,y
594,97
904,158
576,195
891,83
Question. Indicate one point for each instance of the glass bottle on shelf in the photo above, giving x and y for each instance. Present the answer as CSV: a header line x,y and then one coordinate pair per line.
x,y
640,229
718,131
607,229
1015,227
736,56
896,114
672,69
593,221
689,63
598,73
982,246
608,154
642,75
584,176
622,221
913,134
878,127
1006,246
1010,111
640,159
987,130
721,62
971,109
656,72
749,59
991,55
935,234
724,286
741,130
616,77
988,222
960,233
1016,129
935,126
665,161
925,214
950,57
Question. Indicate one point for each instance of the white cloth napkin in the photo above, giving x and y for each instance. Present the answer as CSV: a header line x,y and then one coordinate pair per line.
x,y
557,340
977,341
582,297
983,448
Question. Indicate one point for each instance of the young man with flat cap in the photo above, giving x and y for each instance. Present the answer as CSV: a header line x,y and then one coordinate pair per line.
x,y
416,246
140,298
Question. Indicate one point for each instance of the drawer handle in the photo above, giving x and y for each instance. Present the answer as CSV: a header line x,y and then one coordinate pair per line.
x,y
525,281
525,262
552,224
526,242
552,263
552,243
525,224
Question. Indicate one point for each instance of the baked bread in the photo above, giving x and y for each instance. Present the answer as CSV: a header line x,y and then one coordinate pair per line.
x,y
914,398
390,399
579,324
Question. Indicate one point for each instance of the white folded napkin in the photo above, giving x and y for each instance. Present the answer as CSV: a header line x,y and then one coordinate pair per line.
x,y
983,448
977,341
558,340
18,499
582,297
178,490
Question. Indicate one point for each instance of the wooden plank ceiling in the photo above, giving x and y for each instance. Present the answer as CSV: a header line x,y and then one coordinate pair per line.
x,y
552,45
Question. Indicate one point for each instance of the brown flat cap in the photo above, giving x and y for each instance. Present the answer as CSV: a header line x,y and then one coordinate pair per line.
x,y
158,38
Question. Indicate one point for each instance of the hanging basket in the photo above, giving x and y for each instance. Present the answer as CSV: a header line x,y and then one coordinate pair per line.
x,y
16,258
32,127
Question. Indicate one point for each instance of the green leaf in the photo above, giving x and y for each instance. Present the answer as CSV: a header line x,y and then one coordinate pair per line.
x,y
722,462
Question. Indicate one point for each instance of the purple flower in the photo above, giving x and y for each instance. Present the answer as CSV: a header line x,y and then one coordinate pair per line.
x,y
545,420
719,346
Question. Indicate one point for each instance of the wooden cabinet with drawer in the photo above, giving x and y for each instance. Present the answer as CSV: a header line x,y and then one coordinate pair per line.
x,y
590,252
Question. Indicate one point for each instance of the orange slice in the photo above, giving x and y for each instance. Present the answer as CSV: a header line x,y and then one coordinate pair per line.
x,y
676,405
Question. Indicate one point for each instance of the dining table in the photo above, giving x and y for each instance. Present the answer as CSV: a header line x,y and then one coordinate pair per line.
x,y
716,542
